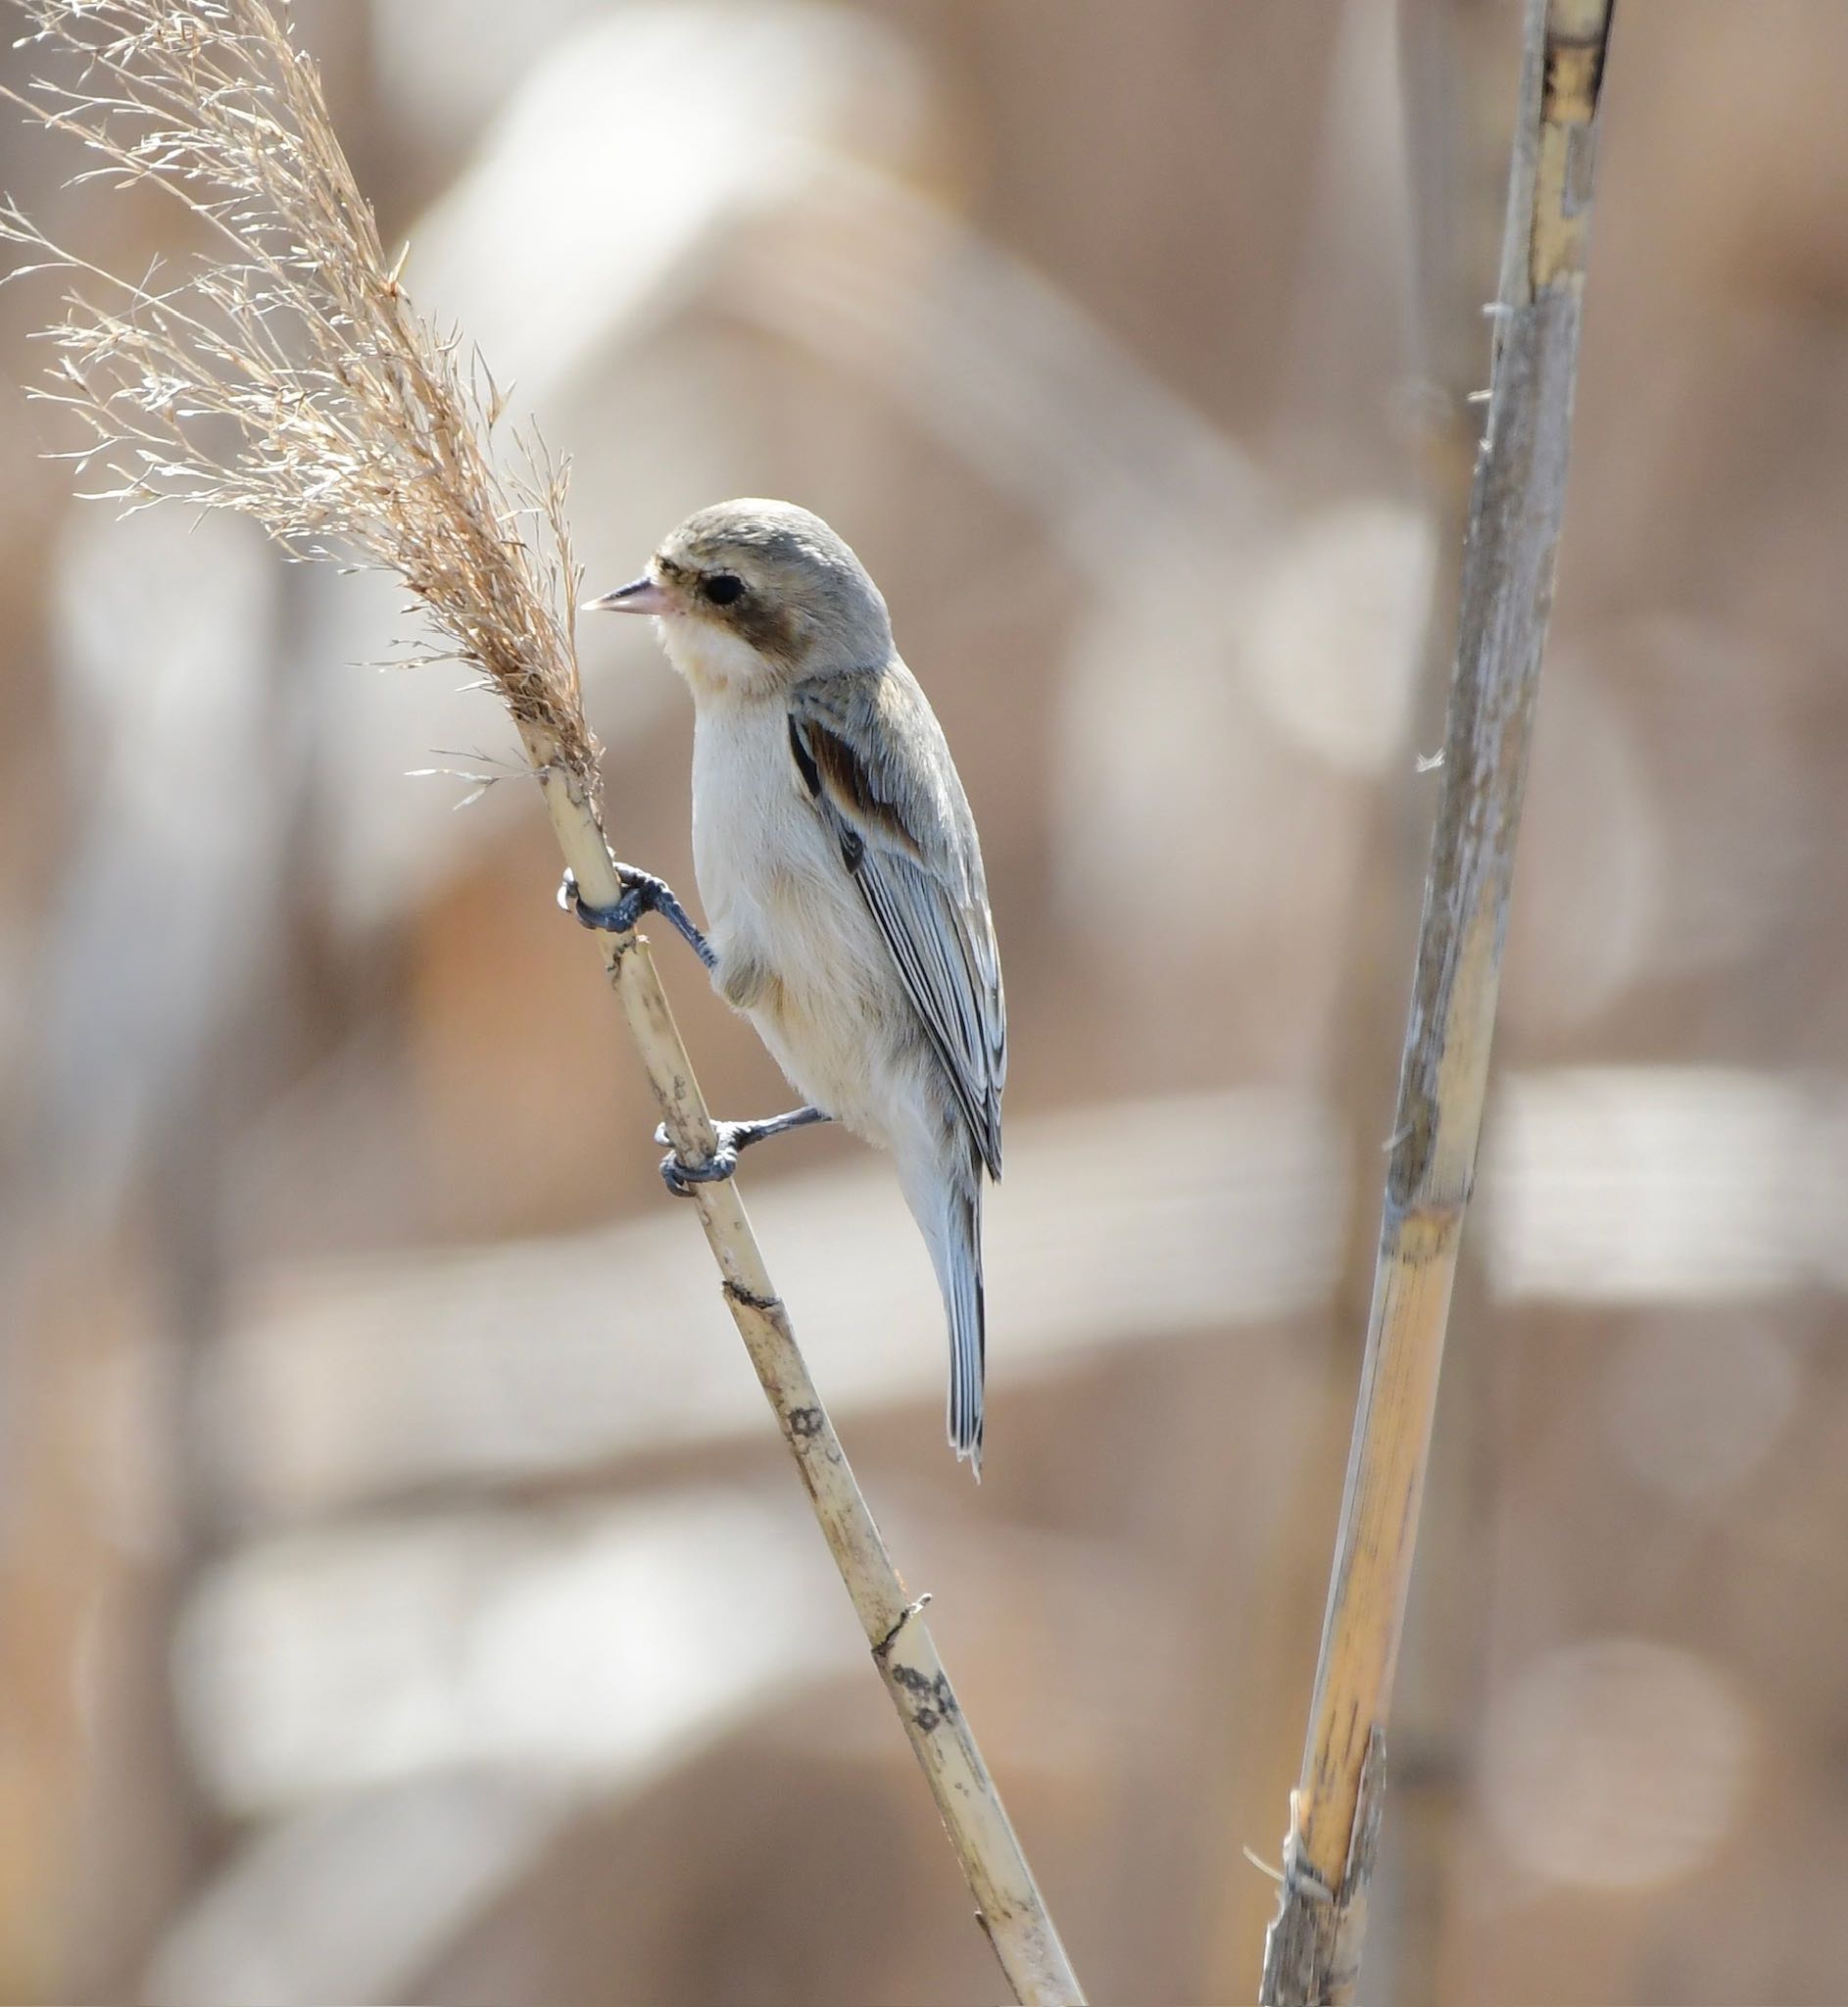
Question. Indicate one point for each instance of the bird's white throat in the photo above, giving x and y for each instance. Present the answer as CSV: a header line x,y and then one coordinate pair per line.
x,y
714,661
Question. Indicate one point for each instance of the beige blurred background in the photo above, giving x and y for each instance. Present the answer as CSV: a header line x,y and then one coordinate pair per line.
x,y
402,1595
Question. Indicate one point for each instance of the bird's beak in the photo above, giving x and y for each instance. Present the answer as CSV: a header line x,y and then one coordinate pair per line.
x,y
641,596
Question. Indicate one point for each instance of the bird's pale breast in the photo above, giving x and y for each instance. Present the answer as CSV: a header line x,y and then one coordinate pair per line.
x,y
797,949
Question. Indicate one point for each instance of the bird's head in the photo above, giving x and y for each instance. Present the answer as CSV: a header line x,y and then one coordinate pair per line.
x,y
753,596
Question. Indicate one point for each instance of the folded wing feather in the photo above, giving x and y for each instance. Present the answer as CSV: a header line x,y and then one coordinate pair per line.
x,y
873,758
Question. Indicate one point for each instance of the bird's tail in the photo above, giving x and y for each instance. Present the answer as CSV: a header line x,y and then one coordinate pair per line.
x,y
946,1203
959,1273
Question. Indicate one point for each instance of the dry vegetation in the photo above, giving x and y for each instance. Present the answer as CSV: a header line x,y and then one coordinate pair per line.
x,y
288,377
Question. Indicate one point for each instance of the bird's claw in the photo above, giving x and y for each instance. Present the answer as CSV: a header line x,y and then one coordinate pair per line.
x,y
680,1177
639,894
729,1138
642,893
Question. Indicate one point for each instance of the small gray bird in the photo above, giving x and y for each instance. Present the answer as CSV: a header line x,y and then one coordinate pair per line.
x,y
842,876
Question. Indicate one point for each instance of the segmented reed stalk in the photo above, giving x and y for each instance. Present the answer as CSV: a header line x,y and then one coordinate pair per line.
x,y
1313,1952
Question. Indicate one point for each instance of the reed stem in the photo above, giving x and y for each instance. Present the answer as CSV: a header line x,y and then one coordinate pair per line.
x,y
1312,1954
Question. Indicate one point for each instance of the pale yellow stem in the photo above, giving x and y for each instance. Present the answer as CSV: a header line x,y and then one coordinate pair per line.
x,y
1313,1952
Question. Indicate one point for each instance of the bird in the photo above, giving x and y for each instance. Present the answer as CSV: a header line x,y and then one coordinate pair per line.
x,y
841,872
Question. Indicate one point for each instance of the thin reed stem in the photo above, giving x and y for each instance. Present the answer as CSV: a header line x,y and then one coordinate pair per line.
x,y
288,377
1313,1951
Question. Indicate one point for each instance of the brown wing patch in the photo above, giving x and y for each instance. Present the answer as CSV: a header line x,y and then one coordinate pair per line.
x,y
830,765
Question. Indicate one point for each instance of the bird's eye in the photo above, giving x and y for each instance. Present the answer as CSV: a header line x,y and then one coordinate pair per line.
x,y
722,588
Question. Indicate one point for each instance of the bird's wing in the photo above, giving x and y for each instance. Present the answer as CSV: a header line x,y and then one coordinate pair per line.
x,y
873,758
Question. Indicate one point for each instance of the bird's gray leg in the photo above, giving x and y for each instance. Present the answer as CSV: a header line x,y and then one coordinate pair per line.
x,y
642,893
733,1137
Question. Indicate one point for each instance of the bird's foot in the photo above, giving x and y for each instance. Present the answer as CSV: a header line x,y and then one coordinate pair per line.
x,y
680,1177
731,1138
642,893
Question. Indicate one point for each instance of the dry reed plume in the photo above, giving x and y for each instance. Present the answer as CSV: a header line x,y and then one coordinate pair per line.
x,y
285,375
290,379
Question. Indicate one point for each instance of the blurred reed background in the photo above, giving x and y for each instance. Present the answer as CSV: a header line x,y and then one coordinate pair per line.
x,y
394,1609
